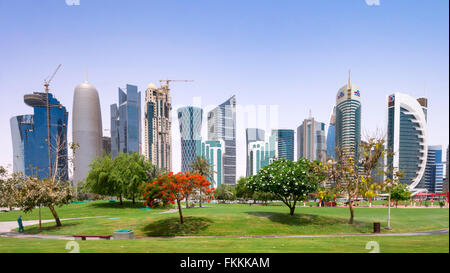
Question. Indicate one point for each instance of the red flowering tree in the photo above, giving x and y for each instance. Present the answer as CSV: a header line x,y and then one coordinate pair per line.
x,y
171,188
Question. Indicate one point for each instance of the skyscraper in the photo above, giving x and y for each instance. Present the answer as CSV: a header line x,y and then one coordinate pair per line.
x,y
311,142
252,135
158,126
86,129
407,136
348,119
331,134
260,153
213,152
434,170
126,122
284,143
190,120
222,126
106,145
30,133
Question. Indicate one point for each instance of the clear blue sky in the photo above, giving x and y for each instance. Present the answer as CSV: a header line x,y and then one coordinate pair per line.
x,y
294,54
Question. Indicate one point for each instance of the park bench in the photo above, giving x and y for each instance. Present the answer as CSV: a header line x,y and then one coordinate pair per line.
x,y
83,237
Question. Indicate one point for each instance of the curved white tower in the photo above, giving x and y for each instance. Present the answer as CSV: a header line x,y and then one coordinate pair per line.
x,y
86,129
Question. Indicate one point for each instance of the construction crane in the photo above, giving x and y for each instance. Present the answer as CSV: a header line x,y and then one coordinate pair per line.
x,y
46,87
168,81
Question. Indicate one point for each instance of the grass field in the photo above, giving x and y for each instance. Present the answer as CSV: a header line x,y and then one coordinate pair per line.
x,y
411,244
230,219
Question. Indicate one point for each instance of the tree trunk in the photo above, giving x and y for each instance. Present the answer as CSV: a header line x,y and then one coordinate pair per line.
x,y
396,203
200,204
133,199
291,210
187,200
179,211
55,215
120,198
352,213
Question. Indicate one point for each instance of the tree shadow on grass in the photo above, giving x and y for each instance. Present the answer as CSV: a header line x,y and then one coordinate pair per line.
x,y
46,229
300,219
117,205
172,227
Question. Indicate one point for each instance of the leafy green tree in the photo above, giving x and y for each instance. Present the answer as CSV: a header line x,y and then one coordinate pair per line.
x,y
242,191
8,189
289,181
121,176
264,197
202,167
400,192
225,192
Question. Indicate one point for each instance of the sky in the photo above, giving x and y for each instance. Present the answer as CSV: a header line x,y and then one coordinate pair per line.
x,y
292,56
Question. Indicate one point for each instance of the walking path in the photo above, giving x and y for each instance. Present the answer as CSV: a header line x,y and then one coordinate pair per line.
x,y
68,237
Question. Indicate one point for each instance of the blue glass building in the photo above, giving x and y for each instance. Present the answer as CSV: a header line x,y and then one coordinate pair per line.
x,y
190,120
331,137
252,135
284,139
222,126
126,122
434,170
213,152
29,137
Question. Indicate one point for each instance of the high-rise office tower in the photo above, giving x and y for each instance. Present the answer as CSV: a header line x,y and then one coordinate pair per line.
x,y
158,126
213,152
434,170
126,122
30,133
331,134
106,145
252,135
311,142
260,153
86,129
284,143
348,119
407,136
222,126
190,120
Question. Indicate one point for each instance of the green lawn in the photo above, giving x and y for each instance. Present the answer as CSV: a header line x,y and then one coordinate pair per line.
x,y
230,219
413,244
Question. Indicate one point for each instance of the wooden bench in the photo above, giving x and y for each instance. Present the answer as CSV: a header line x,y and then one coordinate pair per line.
x,y
83,237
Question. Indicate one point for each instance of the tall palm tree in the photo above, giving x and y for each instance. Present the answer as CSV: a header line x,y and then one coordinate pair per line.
x,y
202,167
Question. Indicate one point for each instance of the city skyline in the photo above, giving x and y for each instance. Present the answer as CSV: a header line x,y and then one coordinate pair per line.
x,y
309,78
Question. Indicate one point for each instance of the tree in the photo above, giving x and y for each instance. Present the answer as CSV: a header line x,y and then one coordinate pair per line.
x,y
33,192
400,192
170,188
289,181
355,176
201,166
8,189
121,176
225,192
242,191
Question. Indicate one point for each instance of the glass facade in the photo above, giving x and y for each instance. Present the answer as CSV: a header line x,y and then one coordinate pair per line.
x,y
29,136
252,135
213,152
222,126
434,171
284,139
190,120
126,122
331,141
406,138
311,142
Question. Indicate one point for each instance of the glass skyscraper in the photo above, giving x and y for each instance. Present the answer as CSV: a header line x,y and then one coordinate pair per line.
x,y
126,122
190,120
284,143
434,170
252,135
29,136
348,119
311,142
222,126
407,137
213,152
331,134
260,154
